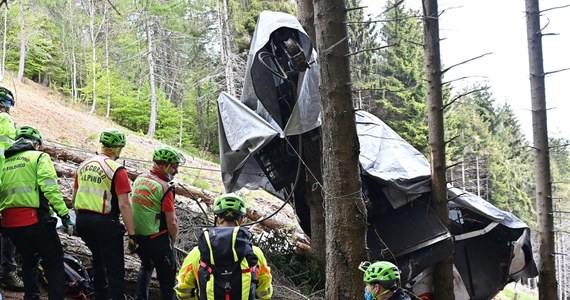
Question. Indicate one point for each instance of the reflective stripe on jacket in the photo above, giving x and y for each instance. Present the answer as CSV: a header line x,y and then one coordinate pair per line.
x,y
146,202
94,185
27,178
187,278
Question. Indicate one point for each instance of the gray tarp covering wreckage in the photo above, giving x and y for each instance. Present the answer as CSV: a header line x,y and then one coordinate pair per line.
x,y
259,149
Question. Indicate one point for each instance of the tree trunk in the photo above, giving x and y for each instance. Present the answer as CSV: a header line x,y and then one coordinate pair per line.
x,y
92,35
23,43
547,270
345,219
3,67
150,58
312,155
107,67
443,271
74,90
227,60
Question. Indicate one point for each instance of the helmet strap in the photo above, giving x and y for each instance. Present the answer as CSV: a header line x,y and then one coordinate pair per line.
x,y
374,288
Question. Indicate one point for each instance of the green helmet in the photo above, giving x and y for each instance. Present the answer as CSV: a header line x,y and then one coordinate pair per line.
x,y
168,154
112,138
230,206
382,272
6,97
28,132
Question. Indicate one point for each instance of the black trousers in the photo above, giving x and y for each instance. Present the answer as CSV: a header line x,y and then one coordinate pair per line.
x,y
156,253
103,235
37,241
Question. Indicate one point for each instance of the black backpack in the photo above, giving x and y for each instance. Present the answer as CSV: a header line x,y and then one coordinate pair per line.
x,y
78,283
226,265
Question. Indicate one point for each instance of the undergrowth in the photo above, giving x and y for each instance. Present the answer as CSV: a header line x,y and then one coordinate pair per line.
x,y
293,273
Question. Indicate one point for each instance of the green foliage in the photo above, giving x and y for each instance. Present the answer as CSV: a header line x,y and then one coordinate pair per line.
x,y
244,13
480,130
395,74
303,271
519,295
560,171
200,183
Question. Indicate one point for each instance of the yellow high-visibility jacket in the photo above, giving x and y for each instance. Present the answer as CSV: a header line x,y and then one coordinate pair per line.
x,y
187,279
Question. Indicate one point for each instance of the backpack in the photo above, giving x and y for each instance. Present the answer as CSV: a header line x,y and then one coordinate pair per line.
x,y
225,264
78,283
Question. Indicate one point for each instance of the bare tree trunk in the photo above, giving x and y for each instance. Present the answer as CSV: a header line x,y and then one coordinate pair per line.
x,y
3,67
181,127
547,269
107,67
92,36
150,58
312,155
74,92
200,108
345,211
23,43
443,271
227,44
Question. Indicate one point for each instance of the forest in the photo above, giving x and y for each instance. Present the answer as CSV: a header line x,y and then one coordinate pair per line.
x,y
157,68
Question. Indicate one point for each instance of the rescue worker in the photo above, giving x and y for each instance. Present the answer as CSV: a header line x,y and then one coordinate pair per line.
x,y
155,223
9,276
100,194
382,281
229,211
28,193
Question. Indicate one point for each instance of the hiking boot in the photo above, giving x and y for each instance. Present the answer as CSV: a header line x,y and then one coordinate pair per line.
x,y
12,281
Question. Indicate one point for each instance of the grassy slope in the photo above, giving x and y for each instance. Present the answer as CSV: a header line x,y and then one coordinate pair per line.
x,y
71,126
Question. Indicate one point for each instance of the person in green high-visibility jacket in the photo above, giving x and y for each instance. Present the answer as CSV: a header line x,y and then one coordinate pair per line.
x,y
28,193
100,194
155,223
9,276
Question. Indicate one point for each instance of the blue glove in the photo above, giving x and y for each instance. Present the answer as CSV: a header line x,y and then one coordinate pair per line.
x,y
68,224
66,221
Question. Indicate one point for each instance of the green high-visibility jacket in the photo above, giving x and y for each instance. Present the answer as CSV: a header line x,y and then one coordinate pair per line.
x,y
146,201
7,131
7,135
94,181
29,180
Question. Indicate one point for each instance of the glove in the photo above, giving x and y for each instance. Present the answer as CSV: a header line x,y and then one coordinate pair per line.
x,y
133,245
68,224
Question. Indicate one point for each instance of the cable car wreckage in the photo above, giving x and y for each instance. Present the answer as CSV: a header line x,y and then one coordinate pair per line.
x,y
259,134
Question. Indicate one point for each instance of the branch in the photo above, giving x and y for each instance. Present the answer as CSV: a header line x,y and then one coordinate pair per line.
x,y
461,96
329,49
382,20
452,165
552,72
464,77
451,139
114,8
466,61
370,49
393,6
553,8
545,25
355,8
